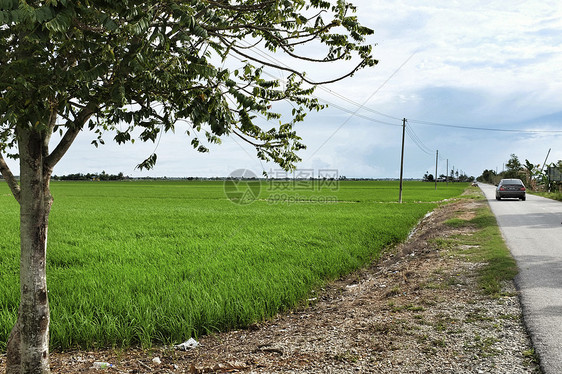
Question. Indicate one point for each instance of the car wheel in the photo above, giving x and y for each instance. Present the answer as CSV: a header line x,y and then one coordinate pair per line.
x,y
523,198
498,198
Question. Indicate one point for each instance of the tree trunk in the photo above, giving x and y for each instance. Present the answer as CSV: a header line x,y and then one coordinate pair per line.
x,y
28,345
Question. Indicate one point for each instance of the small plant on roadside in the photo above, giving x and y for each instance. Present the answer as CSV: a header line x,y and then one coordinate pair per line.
x,y
483,347
347,356
531,357
394,291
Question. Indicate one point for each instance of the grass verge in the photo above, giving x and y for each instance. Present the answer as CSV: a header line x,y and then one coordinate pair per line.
x,y
486,245
549,195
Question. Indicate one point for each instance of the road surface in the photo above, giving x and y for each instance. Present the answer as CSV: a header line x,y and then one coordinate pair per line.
x,y
533,232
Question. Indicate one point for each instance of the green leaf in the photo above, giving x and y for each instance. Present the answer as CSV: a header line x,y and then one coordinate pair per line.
x,y
61,22
108,23
148,163
8,4
122,137
43,14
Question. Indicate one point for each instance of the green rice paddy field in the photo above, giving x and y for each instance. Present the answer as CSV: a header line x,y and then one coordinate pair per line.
x,y
158,262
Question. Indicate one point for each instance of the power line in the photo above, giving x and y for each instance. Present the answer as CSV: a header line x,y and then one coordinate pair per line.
x,y
355,114
422,122
411,133
418,142
272,59
428,123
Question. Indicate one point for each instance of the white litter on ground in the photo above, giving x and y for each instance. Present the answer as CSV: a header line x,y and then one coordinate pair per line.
x,y
190,344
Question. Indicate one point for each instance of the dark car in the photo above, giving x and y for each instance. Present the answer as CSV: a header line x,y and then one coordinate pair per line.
x,y
512,188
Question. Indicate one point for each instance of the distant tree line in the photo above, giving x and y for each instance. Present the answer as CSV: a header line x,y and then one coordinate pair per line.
x,y
103,176
455,176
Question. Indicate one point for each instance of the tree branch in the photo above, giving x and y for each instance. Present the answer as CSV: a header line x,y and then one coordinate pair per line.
x,y
9,178
50,127
69,136
359,66
257,145
246,139
241,8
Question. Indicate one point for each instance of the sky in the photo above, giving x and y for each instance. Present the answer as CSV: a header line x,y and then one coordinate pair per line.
x,y
456,70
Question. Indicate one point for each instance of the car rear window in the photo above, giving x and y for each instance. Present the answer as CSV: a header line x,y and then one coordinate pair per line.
x,y
512,181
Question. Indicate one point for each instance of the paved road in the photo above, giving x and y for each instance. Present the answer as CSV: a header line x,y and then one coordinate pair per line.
x,y
533,232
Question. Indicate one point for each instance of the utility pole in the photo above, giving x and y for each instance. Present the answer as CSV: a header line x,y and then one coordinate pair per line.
x,y
544,163
447,177
436,161
402,159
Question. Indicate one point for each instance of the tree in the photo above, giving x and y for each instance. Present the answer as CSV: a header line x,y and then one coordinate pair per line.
x,y
487,176
125,65
513,167
532,173
462,177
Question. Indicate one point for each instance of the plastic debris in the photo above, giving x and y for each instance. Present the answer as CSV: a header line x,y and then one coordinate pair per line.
x,y
157,360
190,344
102,365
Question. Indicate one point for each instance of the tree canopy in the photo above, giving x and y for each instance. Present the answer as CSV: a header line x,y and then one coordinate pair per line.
x,y
113,66
135,69
513,166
